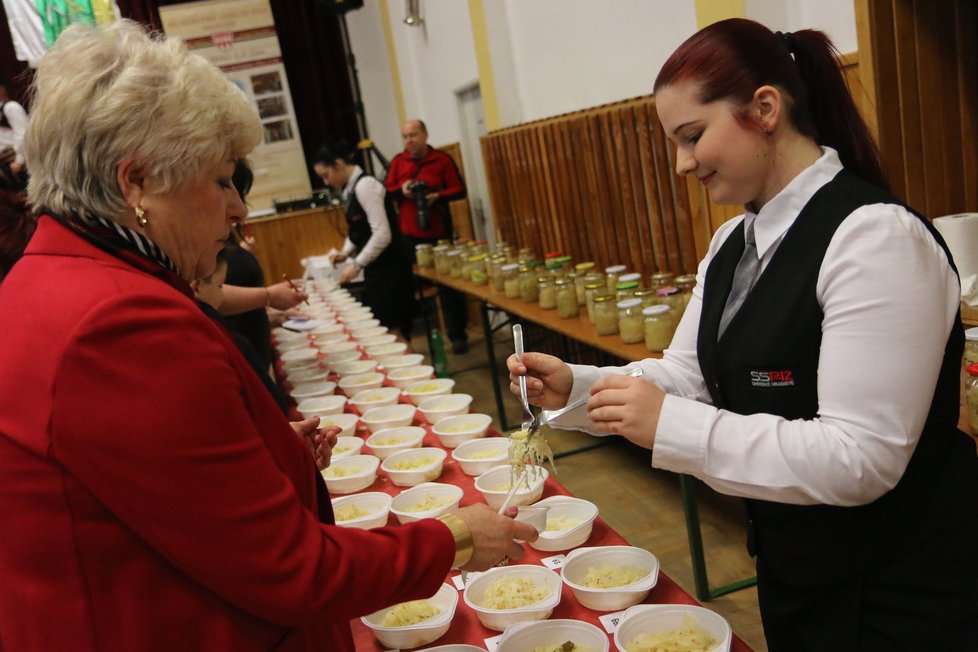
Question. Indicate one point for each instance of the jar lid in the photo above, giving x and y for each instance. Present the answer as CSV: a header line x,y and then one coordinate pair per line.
x,y
509,267
615,269
971,334
634,276
668,291
563,260
423,245
476,258
544,279
552,254
657,309
682,279
660,276
441,247
594,285
584,266
644,292
628,285
601,298
973,369
455,252
563,281
626,304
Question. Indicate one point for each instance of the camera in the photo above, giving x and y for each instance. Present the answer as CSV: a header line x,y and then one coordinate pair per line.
x,y
419,190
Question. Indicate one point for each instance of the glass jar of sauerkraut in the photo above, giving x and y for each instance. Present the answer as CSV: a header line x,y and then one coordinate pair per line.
x,y
630,321
970,346
425,255
511,280
583,271
528,284
591,290
567,307
441,258
546,292
971,394
658,326
605,314
477,269
611,275
660,280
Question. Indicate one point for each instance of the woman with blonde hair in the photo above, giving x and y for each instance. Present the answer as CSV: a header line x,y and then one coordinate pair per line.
x,y
153,495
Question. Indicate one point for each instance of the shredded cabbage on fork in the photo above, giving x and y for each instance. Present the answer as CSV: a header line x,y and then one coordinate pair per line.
x,y
525,450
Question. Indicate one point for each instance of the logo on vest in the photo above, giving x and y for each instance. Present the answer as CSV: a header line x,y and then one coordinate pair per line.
x,y
772,378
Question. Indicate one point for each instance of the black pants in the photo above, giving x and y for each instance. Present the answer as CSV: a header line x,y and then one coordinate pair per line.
x,y
453,303
389,292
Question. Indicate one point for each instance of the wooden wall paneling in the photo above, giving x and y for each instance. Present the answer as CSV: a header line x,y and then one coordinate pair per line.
x,y
646,211
283,240
966,39
910,127
538,190
612,217
562,174
664,171
529,224
651,183
460,209
602,243
887,81
513,167
574,214
627,220
929,89
943,108
500,212
546,164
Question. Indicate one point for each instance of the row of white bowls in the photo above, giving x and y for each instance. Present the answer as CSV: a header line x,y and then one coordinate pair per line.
x,y
522,626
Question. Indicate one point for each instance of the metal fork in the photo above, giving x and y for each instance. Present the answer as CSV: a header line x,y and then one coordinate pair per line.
x,y
521,380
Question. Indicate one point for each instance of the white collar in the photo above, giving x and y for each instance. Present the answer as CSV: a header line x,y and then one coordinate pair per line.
x,y
778,214
352,181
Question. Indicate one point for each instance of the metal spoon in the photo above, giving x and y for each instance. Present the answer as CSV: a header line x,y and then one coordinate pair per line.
x,y
546,416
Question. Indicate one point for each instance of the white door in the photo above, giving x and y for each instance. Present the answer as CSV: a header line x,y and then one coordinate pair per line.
x,y
473,125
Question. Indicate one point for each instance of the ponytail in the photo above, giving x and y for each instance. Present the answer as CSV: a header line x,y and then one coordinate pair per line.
x,y
731,59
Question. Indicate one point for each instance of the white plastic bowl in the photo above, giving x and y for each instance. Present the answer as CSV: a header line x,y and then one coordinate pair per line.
x,y
285,335
404,505
355,312
365,472
296,355
347,423
358,382
499,446
425,632
423,389
404,377
326,329
351,367
390,416
295,345
312,374
302,391
404,360
322,406
500,619
376,340
612,599
346,447
377,505
566,506
297,365
652,618
381,443
383,351
359,325
379,397
414,476
343,356
338,347
437,408
549,633
499,476
453,431
360,332
324,339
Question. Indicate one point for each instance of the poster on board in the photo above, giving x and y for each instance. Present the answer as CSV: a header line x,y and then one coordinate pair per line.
x,y
239,37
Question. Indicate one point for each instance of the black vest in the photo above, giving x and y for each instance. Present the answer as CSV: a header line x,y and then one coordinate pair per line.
x,y
359,231
767,362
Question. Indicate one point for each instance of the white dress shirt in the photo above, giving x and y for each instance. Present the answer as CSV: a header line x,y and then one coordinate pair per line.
x,y
12,136
370,194
889,299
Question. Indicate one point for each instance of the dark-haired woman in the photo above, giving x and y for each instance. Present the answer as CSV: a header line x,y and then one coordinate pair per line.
x,y
373,239
816,371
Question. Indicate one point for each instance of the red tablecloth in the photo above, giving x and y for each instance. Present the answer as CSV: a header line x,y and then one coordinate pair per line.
x,y
465,627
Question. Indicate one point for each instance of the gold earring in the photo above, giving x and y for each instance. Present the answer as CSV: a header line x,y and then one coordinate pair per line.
x,y
141,216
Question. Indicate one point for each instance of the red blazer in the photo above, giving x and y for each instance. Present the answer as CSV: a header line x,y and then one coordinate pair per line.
x,y
152,495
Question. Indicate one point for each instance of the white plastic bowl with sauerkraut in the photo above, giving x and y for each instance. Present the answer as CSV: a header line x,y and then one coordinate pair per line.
x,y
364,510
426,500
559,635
414,466
691,628
610,578
510,594
413,624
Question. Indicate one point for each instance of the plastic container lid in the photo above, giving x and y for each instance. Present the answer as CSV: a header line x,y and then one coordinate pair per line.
x,y
971,334
615,269
668,291
625,304
973,369
584,266
628,278
604,297
661,310
510,267
627,285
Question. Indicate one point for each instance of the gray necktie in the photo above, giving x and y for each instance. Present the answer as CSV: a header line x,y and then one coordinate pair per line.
x,y
743,279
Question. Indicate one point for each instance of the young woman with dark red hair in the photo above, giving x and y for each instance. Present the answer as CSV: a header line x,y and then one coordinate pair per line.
x,y
816,370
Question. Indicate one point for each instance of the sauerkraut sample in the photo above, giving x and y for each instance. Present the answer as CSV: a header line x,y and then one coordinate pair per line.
x,y
610,576
688,637
348,513
410,613
342,472
513,593
416,463
524,450
428,503
561,523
